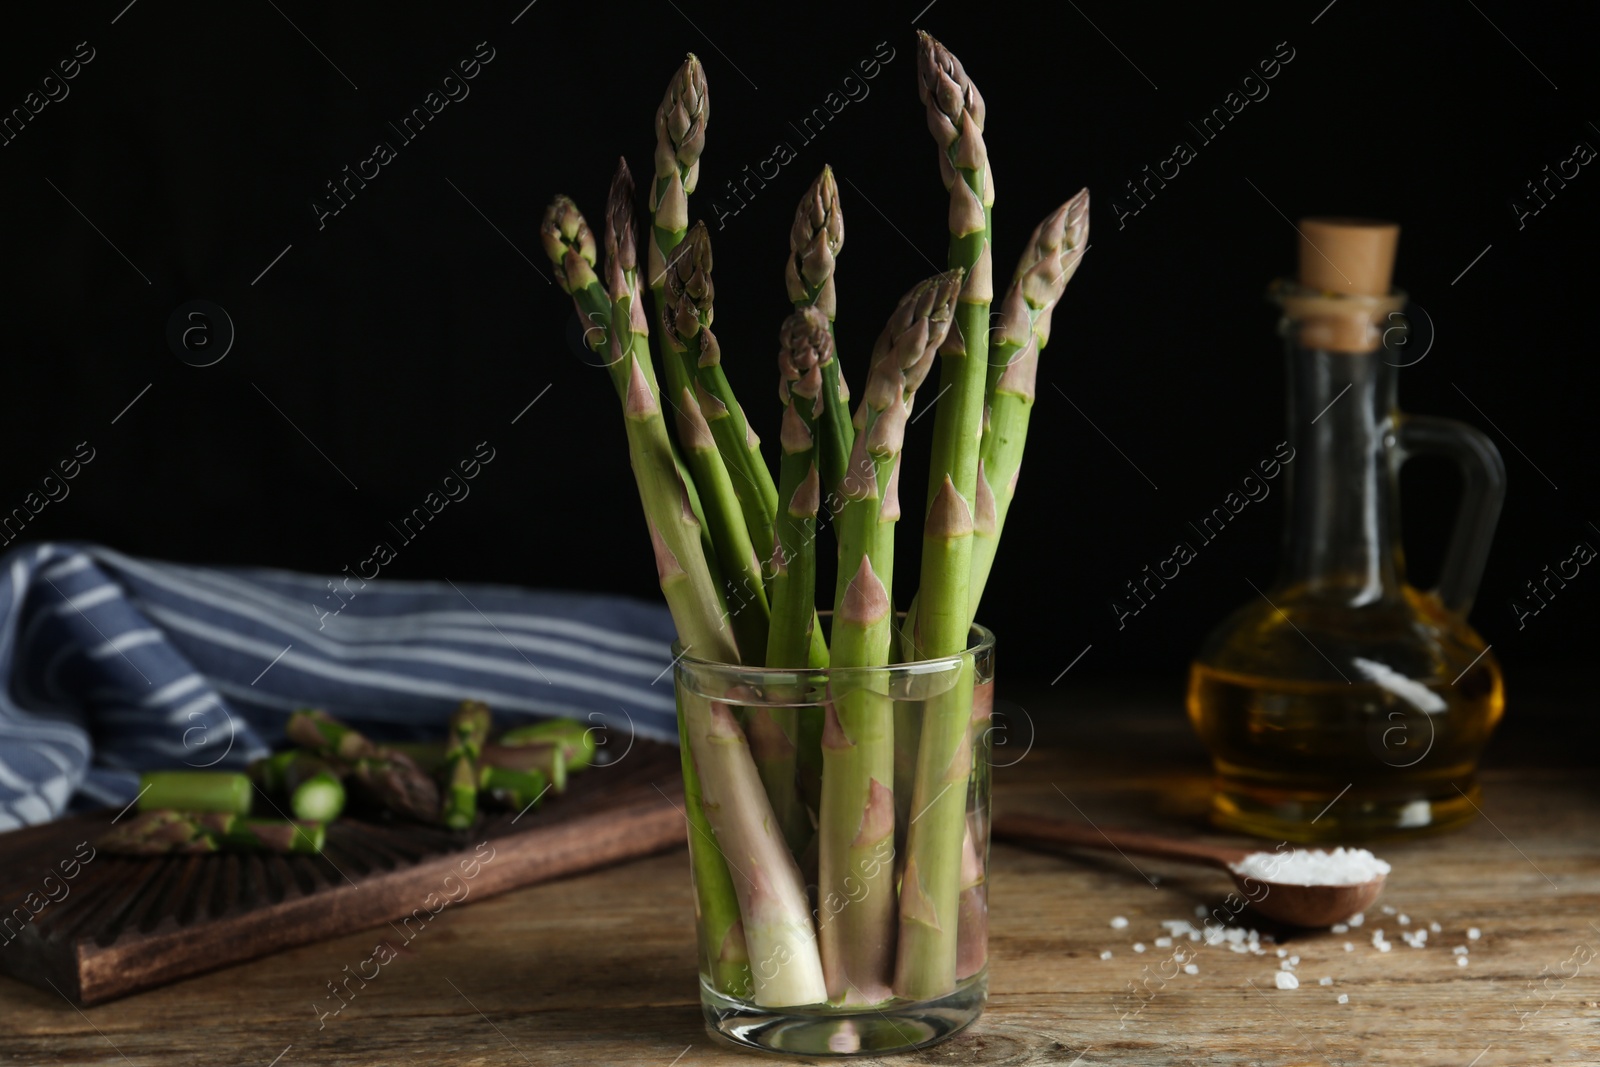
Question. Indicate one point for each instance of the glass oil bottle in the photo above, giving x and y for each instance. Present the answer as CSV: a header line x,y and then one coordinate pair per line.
x,y
1343,703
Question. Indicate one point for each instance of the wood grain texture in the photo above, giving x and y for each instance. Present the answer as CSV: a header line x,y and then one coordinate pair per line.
x,y
599,968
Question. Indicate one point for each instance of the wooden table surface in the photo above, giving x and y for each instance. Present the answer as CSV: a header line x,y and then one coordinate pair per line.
x,y
600,968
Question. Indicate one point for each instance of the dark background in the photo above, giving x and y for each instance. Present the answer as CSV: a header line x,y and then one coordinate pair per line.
x,y
414,326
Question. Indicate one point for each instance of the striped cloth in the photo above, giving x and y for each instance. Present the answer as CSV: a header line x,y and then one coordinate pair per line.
x,y
113,665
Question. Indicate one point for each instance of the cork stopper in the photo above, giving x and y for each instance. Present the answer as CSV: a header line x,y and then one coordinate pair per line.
x,y
1353,257
1345,268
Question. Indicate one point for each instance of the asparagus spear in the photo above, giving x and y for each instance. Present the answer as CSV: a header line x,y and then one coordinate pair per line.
x,y
1047,264
569,244
469,729
163,830
930,890
513,788
159,830
803,343
385,774
773,911
724,956
195,791
680,139
686,311
814,243
313,785
548,759
857,821
576,740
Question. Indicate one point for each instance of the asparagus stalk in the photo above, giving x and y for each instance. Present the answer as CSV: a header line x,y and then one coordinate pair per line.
x,y
857,822
785,968
384,774
398,784
724,956
548,759
513,788
773,911
814,243
469,729
1047,264
681,122
569,244
931,885
163,830
694,362
195,791
803,343
577,741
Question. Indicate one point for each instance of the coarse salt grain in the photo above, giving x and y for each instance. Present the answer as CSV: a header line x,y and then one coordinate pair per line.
x,y
1106,955
1294,961
1461,961
1191,968
1348,947
1324,981
1119,923
1138,946
1286,980
1459,950
1356,919
1163,942
1436,928
1282,952
1473,933
1342,866
1405,920
1387,910
1344,998
1285,966
1340,928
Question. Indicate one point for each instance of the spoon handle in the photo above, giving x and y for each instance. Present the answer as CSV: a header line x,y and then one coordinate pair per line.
x,y
1026,828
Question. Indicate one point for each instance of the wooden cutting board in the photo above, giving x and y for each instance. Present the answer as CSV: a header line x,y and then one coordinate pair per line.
x,y
121,924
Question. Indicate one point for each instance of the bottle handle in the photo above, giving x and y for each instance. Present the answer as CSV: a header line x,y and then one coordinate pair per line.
x,y
1483,476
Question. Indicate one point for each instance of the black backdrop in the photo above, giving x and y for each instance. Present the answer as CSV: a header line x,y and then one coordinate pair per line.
x,y
375,348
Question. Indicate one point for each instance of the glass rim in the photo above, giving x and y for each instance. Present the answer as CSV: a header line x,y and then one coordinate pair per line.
x,y
981,641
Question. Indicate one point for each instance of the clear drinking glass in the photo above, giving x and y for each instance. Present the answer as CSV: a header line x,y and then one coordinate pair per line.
x,y
810,795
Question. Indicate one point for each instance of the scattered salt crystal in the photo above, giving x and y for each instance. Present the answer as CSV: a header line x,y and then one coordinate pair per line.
x,y
1285,965
1344,998
1163,942
1138,946
1191,968
1286,980
1282,952
1379,943
1342,866
1387,910
1348,947
1294,961
1473,933
1405,920
1386,946
1324,981
1461,961
1106,955
1436,928
1238,948
1340,928
1459,950
1356,919
1119,923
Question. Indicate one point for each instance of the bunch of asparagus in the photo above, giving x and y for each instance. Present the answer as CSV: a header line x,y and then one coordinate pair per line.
x,y
770,789
438,783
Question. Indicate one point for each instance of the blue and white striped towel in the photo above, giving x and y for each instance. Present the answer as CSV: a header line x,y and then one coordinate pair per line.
x,y
110,665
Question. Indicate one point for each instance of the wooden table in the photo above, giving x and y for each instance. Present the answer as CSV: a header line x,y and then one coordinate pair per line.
x,y
600,968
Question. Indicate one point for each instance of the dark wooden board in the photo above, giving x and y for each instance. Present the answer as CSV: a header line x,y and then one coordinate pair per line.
x,y
123,924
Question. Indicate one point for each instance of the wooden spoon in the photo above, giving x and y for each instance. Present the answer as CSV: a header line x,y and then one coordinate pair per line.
x,y
1296,905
